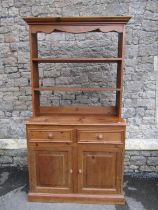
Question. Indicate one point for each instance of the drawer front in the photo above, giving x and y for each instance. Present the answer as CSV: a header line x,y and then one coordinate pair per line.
x,y
50,135
100,136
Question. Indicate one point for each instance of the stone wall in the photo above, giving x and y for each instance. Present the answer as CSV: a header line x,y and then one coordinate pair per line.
x,y
139,96
141,161
141,46
14,157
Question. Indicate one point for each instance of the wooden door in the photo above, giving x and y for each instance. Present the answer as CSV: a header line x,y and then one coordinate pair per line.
x,y
99,169
51,169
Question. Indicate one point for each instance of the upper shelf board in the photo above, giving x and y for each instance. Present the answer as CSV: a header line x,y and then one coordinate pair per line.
x,y
75,20
76,60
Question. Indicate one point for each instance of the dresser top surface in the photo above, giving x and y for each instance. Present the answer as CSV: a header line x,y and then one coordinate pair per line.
x,y
76,120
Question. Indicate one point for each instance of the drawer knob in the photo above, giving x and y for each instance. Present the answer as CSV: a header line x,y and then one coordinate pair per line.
x,y
100,136
50,135
80,171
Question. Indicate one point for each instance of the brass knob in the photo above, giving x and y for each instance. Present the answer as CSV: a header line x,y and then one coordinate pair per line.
x,y
100,136
50,135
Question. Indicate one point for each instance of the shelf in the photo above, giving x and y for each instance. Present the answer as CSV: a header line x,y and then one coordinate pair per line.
x,y
77,25
76,89
76,60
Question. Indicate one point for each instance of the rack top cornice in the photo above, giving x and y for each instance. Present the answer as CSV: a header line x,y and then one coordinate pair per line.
x,y
77,20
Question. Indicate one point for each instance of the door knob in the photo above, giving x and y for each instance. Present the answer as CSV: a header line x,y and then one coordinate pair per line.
x,y
71,171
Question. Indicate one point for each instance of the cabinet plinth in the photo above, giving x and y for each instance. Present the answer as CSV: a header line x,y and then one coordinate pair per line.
x,y
75,153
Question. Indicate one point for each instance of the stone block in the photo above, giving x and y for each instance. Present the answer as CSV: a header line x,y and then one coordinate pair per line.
x,y
9,38
10,61
154,153
137,160
40,10
132,153
6,160
48,82
20,161
21,153
145,168
63,81
7,3
13,11
3,12
153,161
1,38
2,114
133,167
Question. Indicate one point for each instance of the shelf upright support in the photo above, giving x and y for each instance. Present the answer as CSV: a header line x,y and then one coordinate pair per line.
x,y
34,72
120,68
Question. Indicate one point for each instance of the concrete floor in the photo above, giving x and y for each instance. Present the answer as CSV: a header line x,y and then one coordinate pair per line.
x,y
141,194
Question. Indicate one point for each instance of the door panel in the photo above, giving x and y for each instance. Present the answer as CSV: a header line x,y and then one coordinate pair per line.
x,y
104,167
98,169
56,174
53,169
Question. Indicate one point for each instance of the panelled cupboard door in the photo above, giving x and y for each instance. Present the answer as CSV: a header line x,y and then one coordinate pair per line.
x,y
51,169
99,169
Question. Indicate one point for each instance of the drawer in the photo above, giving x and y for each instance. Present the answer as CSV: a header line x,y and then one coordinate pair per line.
x,y
50,135
100,136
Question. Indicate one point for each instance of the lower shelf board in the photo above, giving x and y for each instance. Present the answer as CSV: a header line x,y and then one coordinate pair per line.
x,y
77,198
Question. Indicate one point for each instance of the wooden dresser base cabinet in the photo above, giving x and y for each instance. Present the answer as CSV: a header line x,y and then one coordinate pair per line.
x,y
76,163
